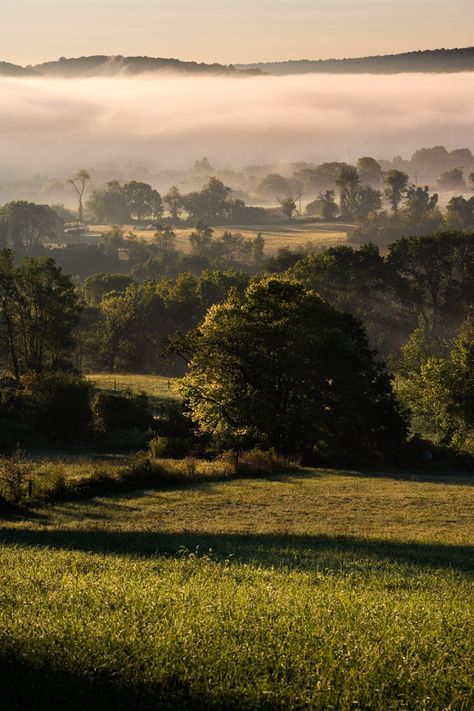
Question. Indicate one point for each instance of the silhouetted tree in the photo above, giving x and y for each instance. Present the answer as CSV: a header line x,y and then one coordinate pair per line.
x,y
397,182
348,183
174,201
370,171
79,183
288,206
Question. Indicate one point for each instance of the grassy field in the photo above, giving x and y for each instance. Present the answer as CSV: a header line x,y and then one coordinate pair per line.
x,y
306,590
318,234
155,386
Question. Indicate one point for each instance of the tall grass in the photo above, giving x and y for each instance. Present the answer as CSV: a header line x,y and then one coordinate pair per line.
x,y
298,590
91,631
62,480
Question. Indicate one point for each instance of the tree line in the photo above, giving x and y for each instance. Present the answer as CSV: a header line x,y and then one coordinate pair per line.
x,y
413,305
120,203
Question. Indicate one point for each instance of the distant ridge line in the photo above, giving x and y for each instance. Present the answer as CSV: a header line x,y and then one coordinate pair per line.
x,y
103,65
429,60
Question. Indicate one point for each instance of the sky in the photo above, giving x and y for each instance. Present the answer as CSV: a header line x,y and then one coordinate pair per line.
x,y
229,31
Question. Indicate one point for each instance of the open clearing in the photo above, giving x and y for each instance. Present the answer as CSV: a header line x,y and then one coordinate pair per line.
x,y
155,386
277,236
306,590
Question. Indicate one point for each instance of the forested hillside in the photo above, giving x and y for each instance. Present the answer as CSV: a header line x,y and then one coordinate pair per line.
x,y
435,60
102,65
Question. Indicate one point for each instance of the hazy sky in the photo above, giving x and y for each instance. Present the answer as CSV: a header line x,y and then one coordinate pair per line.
x,y
230,30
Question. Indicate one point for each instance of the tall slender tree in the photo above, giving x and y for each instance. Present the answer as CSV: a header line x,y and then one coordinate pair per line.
x,y
79,183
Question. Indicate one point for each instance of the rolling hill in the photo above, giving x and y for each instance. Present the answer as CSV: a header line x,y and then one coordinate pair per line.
x,y
433,61
436,60
102,65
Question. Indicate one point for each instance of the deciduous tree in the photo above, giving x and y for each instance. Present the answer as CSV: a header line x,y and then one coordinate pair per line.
x,y
280,367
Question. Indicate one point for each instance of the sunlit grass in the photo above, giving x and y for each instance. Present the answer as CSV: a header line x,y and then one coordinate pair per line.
x,y
156,386
294,235
306,590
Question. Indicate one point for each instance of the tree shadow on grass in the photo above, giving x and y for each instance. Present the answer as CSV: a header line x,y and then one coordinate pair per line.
x,y
16,513
36,685
303,553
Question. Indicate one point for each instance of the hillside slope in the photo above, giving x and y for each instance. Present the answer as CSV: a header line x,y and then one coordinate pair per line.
x,y
436,60
102,65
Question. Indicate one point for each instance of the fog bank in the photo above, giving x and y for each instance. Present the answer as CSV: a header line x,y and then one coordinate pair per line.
x,y
168,121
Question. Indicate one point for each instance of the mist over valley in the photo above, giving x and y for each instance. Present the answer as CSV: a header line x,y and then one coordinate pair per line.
x,y
167,121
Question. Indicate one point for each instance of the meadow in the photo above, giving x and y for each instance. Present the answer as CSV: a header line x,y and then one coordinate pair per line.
x,y
157,387
277,236
306,589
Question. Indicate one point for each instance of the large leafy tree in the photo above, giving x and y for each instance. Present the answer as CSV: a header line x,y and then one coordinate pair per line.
x,y
142,200
439,389
38,311
460,213
174,202
396,182
329,208
433,277
23,225
282,368
211,204
370,171
354,281
348,183
109,204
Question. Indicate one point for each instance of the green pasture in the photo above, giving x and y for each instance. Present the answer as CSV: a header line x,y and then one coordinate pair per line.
x,y
309,589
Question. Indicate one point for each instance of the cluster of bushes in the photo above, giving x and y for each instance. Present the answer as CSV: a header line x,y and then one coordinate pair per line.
x,y
24,481
47,408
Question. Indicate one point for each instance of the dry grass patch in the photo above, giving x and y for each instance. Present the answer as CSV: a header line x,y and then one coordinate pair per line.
x,y
156,386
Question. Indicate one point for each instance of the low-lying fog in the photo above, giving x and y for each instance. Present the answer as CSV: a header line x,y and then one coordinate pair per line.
x,y
168,121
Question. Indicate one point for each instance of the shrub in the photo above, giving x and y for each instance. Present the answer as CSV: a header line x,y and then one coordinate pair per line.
x,y
15,473
141,474
255,461
12,430
171,420
169,447
258,461
56,405
55,488
115,412
125,440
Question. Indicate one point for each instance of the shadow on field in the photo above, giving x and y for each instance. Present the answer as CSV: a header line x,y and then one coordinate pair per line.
x,y
304,553
33,685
